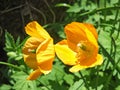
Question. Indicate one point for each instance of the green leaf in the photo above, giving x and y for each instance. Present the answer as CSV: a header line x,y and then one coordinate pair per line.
x,y
118,87
25,85
19,75
75,8
69,79
19,57
18,41
22,83
5,87
114,2
9,42
104,39
77,85
11,54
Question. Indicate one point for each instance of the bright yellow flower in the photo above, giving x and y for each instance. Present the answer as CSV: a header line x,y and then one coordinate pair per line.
x,y
38,50
80,50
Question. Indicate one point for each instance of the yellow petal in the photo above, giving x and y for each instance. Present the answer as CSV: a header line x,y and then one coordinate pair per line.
x,y
92,29
29,56
91,38
66,55
99,60
34,75
36,30
77,68
45,55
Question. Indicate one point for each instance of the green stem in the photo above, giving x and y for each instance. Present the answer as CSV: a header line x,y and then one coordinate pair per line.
x,y
11,65
84,81
118,32
97,78
117,14
104,13
98,10
110,76
110,58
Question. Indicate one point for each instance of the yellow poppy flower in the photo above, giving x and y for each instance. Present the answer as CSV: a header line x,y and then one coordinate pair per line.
x,y
38,50
80,50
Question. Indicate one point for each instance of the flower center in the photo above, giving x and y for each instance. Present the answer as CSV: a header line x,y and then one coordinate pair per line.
x,y
81,46
85,51
32,50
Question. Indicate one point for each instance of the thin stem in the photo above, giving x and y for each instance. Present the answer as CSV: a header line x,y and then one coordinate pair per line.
x,y
118,31
98,10
84,81
104,13
97,78
117,14
110,76
11,65
110,58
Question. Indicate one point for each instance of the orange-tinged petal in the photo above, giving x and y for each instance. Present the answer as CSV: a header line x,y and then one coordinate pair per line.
x,y
34,75
45,55
78,67
30,60
77,32
99,60
66,55
36,30
92,29
87,55
46,66
28,51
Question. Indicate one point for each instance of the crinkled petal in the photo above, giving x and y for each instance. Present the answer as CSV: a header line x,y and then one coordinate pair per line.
x,y
34,75
74,35
88,33
77,32
36,30
29,56
66,55
45,55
